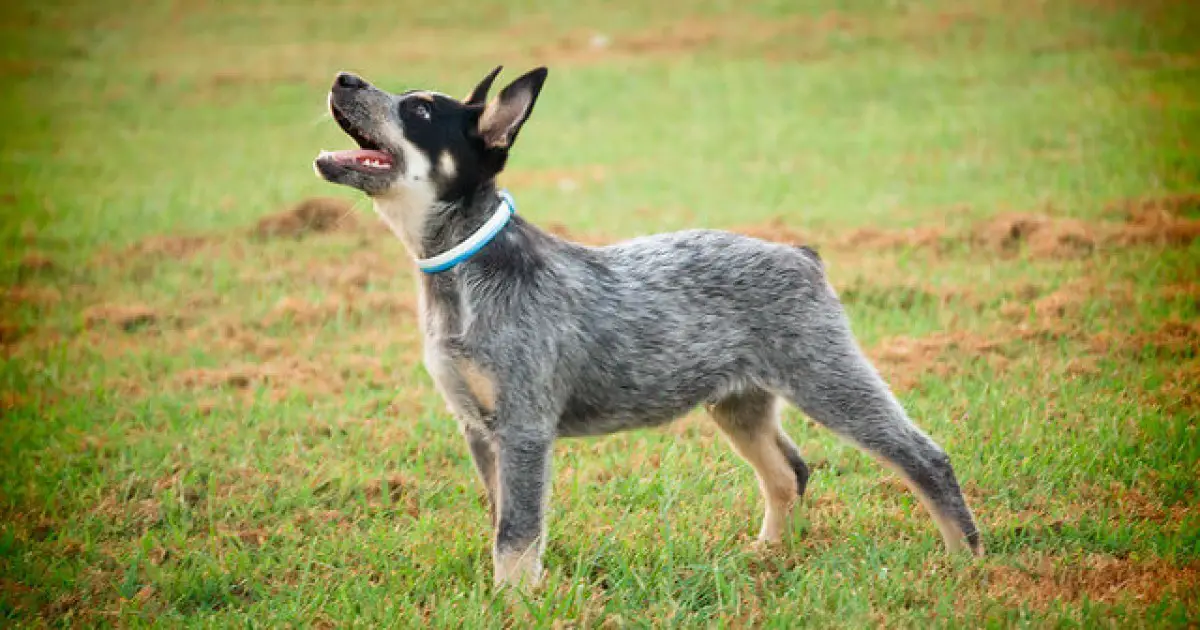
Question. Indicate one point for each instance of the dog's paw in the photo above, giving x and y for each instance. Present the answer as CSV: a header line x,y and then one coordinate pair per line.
x,y
759,544
520,571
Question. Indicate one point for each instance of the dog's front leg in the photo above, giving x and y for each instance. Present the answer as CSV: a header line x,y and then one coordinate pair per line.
x,y
524,485
483,452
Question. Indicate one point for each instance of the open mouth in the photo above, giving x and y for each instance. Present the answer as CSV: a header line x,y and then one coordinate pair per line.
x,y
368,158
362,160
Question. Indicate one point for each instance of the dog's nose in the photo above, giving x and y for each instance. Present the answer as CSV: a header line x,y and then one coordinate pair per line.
x,y
350,81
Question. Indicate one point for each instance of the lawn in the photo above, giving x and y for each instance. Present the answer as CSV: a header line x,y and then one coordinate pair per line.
x,y
211,393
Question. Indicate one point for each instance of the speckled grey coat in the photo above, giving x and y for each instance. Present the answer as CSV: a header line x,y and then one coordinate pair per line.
x,y
535,338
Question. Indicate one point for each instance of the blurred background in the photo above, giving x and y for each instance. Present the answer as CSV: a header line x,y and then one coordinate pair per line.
x,y
213,405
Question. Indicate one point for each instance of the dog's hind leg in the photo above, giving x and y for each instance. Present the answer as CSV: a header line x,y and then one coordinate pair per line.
x,y
834,383
750,421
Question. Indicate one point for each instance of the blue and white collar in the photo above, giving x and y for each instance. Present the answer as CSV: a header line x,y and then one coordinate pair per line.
x,y
475,242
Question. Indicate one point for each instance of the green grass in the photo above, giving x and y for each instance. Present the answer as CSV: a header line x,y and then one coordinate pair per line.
x,y
264,448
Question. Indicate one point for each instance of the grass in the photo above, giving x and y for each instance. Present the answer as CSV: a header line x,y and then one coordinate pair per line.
x,y
210,423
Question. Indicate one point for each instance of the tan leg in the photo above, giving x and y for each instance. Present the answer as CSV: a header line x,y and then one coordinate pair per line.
x,y
751,424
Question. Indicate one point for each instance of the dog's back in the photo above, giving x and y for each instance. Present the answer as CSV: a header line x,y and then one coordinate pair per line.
x,y
670,321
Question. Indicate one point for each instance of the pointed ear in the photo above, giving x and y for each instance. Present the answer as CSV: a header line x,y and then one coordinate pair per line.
x,y
479,94
504,115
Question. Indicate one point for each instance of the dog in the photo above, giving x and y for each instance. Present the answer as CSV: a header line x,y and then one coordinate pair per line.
x,y
530,338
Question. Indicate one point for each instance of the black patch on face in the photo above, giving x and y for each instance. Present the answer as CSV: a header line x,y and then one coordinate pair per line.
x,y
434,124
438,125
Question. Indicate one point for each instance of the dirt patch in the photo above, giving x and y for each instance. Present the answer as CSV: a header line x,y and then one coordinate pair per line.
x,y
799,36
1144,506
777,230
1067,301
31,295
1179,391
248,536
316,215
394,489
873,238
903,360
140,258
903,297
128,317
10,333
1043,236
285,375
1042,579
1149,221
1063,302
1172,339
1156,221
687,35
1181,291
905,349
175,247
10,400
780,231
358,305
1159,221
35,263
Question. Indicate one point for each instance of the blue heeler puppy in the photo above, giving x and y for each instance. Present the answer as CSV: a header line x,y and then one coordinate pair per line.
x,y
531,338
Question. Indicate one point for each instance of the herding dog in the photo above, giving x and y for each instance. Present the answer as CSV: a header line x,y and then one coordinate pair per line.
x,y
531,338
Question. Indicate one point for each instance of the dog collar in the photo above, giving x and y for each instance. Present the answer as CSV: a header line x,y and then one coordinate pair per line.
x,y
475,242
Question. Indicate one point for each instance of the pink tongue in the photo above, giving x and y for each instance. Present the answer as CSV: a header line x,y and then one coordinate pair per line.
x,y
362,155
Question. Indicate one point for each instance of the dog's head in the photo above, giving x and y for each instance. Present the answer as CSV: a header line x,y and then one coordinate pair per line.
x,y
426,142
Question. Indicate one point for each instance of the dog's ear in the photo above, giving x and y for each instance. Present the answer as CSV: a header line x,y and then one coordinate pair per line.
x,y
479,94
503,116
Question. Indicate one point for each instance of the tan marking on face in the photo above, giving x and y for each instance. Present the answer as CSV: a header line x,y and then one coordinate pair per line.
x,y
424,96
481,386
758,445
447,166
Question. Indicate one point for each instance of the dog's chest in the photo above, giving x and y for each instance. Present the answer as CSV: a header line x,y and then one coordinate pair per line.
x,y
468,388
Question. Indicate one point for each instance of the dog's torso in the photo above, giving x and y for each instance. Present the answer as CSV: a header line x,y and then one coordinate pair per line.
x,y
597,340
531,338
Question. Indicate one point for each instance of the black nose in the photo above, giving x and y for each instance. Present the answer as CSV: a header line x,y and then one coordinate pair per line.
x,y
350,81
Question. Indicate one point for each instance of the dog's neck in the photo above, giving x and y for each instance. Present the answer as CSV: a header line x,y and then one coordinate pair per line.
x,y
449,224
405,210
428,226
518,251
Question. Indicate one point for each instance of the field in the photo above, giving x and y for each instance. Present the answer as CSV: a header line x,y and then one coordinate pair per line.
x,y
211,397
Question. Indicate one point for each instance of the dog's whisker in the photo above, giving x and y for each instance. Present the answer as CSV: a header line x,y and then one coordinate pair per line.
x,y
351,210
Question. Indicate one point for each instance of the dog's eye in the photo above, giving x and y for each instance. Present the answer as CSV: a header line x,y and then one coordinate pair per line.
x,y
421,110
